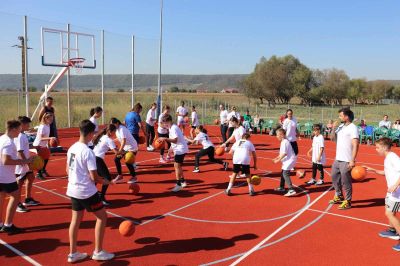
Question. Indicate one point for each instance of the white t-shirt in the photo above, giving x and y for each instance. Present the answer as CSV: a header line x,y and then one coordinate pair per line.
x,y
195,119
7,172
345,134
105,144
94,121
223,117
80,160
42,132
290,126
384,123
233,114
151,114
317,144
22,144
242,150
289,161
182,111
130,143
160,129
392,173
238,133
204,140
181,146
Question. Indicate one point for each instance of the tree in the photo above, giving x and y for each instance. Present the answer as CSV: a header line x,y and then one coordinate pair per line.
x,y
378,90
334,84
174,89
356,89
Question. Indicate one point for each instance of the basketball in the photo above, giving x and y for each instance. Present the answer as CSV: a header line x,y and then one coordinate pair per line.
x,y
37,163
142,140
216,121
53,142
300,173
219,151
134,188
129,157
358,173
186,119
44,152
126,228
158,144
255,180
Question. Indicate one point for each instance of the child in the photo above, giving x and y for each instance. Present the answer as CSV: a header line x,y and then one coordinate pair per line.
x,y
8,183
256,123
241,162
127,143
181,113
82,179
237,134
392,201
22,172
163,133
328,128
95,113
180,148
288,159
150,121
231,126
195,121
208,149
247,121
102,143
42,139
317,154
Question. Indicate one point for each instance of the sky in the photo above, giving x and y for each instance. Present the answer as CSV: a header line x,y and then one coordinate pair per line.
x,y
217,37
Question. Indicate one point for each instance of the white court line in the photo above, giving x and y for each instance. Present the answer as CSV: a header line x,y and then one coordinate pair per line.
x,y
20,253
49,180
348,217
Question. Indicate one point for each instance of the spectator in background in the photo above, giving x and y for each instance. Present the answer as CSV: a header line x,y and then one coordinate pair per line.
x,y
396,124
385,123
256,123
362,124
247,121
223,119
48,108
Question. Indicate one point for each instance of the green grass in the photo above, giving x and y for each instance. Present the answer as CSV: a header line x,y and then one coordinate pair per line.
x,y
118,104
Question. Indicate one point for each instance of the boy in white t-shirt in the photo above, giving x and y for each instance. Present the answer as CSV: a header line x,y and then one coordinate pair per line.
x,y
392,200
195,121
288,159
8,182
241,162
317,153
181,113
180,148
163,133
82,179
150,122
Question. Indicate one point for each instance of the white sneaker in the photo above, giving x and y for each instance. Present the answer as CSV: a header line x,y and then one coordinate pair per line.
x,y
135,166
226,149
103,255
77,256
311,182
118,179
177,188
242,175
162,160
290,193
149,149
151,146
196,170
320,182
183,184
132,180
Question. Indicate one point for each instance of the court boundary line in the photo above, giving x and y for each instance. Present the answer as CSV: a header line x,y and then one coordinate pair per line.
x,y
20,253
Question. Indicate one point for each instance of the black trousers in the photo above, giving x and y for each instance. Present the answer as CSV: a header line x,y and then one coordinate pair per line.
x,y
230,132
150,134
210,152
102,170
320,168
224,130
295,147
169,144
117,161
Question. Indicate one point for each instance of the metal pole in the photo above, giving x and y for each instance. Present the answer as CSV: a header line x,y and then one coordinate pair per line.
x,y
102,75
68,75
159,103
133,71
26,66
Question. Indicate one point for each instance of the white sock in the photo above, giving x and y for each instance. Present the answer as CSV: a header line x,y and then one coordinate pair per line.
x,y
230,186
8,225
250,187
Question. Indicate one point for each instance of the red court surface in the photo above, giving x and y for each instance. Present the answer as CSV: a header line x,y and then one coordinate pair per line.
x,y
202,226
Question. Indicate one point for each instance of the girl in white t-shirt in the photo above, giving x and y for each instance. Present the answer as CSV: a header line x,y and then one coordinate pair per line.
x,y
151,119
231,126
238,131
163,132
195,121
42,139
207,149
103,142
181,113
317,153
288,159
241,162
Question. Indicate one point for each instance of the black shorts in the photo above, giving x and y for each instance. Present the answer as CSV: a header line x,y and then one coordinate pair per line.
x,y
245,168
179,158
91,204
194,127
23,178
9,188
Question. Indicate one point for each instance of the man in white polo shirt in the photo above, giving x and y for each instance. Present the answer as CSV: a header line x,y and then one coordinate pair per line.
x,y
346,152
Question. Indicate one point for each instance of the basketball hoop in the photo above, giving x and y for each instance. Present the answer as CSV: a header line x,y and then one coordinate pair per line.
x,y
77,64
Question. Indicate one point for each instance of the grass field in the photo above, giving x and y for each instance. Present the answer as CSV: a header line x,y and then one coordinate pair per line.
x,y
117,104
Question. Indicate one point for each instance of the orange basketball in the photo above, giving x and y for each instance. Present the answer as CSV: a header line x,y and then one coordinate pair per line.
x,y
158,144
186,119
126,228
44,152
300,173
358,173
142,140
37,163
134,188
219,151
216,121
53,142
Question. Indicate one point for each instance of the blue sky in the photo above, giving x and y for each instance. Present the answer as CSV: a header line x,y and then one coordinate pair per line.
x,y
223,37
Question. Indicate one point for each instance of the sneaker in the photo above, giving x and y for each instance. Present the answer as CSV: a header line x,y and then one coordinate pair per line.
x,y
31,202
39,176
279,189
177,188
135,166
226,164
290,193
151,146
162,160
77,256
11,230
336,200
396,247
312,181
106,203
103,255
320,182
118,179
241,176
228,192
346,204
132,180
390,233
21,208
149,149
44,173
183,184
168,159
196,170
252,193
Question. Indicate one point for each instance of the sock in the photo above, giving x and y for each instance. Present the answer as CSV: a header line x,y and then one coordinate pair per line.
x,y
250,187
8,225
182,179
230,186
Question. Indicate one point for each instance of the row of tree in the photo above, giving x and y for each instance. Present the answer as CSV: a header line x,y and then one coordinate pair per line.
x,y
279,79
